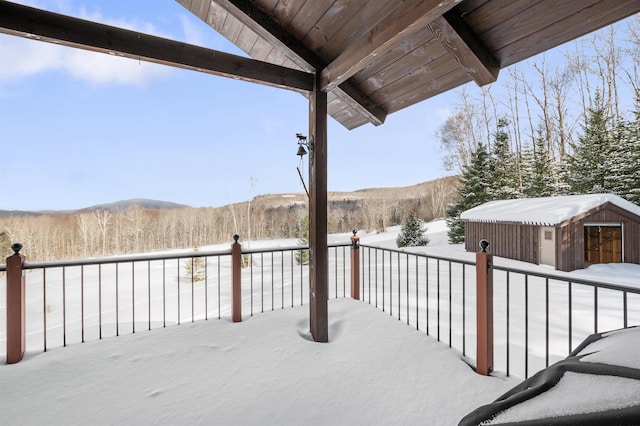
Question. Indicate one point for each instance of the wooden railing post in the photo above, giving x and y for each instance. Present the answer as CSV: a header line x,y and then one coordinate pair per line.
x,y
236,280
484,310
16,331
355,266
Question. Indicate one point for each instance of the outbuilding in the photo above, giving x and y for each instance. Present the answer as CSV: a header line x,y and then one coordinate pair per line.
x,y
568,232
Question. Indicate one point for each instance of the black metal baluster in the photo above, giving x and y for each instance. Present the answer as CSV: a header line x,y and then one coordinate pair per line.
x,y
192,291
624,309
82,301
450,306
526,326
64,307
133,296
438,300
149,291
117,304
164,294
570,317
546,330
44,306
508,284
417,297
100,301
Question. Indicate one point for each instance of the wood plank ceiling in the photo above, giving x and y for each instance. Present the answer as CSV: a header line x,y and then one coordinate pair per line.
x,y
377,57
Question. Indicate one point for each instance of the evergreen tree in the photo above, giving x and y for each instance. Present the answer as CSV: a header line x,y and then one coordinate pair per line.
x,y
506,182
475,189
560,184
5,246
195,267
302,233
623,162
412,232
537,169
587,165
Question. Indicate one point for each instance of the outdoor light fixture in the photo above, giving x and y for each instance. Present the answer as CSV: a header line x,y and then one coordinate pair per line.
x,y
302,142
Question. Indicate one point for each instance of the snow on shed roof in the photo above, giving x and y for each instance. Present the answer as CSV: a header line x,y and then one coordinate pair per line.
x,y
547,211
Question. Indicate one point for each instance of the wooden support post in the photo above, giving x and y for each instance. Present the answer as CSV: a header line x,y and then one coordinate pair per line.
x,y
484,310
16,331
355,266
236,280
318,251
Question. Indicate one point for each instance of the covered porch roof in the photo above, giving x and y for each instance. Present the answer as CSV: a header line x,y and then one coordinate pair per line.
x,y
373,57
378,57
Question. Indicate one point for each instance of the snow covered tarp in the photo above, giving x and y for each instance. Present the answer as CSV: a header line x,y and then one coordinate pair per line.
x,y
598,383
545,211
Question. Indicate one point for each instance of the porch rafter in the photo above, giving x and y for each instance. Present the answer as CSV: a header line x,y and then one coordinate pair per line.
x,y
42,25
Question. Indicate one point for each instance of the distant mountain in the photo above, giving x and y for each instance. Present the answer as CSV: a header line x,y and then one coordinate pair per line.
x,y
142,202
7,213
445,187
115,206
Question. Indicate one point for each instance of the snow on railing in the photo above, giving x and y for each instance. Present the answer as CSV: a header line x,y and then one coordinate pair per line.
x,y
74,301
534,319
537,318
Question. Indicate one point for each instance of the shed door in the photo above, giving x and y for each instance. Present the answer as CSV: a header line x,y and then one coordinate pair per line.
x,y
547,246
602,244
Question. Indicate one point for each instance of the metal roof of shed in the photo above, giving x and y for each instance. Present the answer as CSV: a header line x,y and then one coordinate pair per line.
x,y
545,211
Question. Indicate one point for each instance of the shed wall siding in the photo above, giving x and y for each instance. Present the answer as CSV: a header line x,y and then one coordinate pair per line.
x,y
521,242
513,241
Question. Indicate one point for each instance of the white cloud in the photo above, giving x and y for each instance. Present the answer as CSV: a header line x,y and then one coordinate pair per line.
x,y
192,33
23,58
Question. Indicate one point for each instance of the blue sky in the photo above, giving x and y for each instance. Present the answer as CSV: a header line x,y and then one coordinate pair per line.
x,y
80,128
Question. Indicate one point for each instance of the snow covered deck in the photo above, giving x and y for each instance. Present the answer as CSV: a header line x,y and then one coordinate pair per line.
x,y
265,370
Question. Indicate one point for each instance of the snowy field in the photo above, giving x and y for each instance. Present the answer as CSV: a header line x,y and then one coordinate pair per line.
x,y
265,370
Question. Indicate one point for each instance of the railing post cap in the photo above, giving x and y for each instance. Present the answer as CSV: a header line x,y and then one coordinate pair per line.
x,y
16,247
236,237
355,239
484,244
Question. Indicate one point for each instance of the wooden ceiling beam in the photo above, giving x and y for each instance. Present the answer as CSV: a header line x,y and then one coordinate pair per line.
x,y
460,41
257,20
414,16
51,27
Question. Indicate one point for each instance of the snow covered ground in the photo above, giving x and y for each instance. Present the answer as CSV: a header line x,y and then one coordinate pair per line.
x,y
265,370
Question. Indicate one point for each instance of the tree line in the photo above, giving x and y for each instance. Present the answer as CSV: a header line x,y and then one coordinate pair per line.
x,y
549,97
584,137
605,159
106,232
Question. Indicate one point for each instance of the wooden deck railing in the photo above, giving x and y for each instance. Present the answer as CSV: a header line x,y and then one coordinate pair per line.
x,y
498,318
